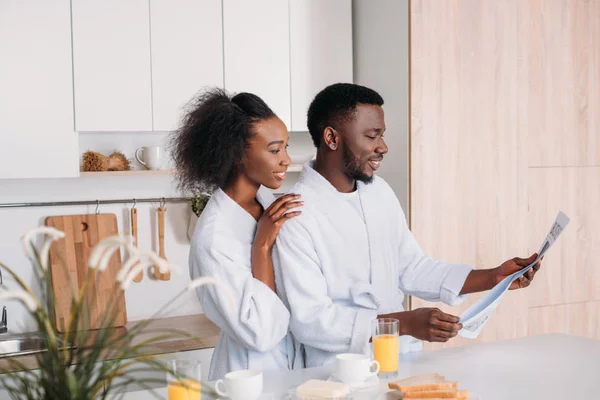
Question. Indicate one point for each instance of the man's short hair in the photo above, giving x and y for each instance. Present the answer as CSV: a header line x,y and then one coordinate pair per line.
x,y
336,104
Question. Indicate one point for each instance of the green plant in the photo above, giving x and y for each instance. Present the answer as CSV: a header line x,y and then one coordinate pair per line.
x,y
199,202
84,364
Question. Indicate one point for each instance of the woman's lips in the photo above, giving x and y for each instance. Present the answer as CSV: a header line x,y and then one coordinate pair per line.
x,y
280,175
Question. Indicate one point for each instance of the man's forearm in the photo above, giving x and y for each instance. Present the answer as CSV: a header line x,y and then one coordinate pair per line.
x,y
480,280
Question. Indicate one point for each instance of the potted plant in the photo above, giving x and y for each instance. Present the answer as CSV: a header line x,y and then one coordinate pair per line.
x,y
86,364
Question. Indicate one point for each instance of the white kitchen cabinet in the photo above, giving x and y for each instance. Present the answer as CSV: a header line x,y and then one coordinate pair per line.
x,y
111,64
187,55
36,93
320,51
256,51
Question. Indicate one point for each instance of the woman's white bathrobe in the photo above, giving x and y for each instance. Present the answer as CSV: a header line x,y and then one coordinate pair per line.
x,y
338,271
255,335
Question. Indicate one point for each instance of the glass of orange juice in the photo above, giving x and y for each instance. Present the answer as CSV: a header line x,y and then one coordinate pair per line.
x,y
386,346
185,384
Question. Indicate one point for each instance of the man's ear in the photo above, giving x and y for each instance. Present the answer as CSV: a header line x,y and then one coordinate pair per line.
x,y
331,138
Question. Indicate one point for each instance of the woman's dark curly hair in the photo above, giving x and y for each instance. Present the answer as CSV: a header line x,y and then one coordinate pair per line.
x,y
209,145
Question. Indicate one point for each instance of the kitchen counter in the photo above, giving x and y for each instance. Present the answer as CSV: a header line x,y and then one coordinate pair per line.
x,y
532,368
202,334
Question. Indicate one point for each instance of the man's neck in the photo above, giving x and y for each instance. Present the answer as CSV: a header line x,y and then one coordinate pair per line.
x,y
331,170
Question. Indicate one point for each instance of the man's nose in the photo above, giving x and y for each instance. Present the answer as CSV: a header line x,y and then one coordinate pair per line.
x,y
381,147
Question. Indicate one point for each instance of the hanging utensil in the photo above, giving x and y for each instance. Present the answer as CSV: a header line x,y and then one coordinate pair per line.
x,y
161,242
134,232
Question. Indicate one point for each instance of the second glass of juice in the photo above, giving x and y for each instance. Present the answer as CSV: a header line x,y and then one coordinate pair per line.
x,y
386,346
185,386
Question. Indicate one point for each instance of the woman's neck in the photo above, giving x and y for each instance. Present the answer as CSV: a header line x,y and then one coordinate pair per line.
x,y
243,192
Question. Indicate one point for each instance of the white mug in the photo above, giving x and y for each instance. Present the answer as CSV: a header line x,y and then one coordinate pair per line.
x,y
355,368
241,385
153,157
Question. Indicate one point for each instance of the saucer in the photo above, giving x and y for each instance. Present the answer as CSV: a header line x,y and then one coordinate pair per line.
x,y
370,382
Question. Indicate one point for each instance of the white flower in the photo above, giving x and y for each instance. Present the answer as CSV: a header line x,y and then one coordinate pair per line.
x,y
206,280
162,264
51,233
128,278
104,250
130,269
30,302
131,261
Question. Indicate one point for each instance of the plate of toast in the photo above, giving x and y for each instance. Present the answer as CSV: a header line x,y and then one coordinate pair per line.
x,y
427,387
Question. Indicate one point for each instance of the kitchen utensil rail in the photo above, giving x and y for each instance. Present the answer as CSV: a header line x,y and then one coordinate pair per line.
x,y
161,200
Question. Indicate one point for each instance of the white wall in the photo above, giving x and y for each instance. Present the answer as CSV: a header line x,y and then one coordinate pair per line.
x,y
380,37
144,298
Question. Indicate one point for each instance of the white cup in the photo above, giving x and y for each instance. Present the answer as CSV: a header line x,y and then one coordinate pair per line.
x,y
355,368
241,385
153,157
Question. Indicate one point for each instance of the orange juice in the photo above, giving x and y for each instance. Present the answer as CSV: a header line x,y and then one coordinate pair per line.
x,y
186,389
385,351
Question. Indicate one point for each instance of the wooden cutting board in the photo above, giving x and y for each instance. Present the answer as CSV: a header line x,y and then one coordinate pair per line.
x,y
69,266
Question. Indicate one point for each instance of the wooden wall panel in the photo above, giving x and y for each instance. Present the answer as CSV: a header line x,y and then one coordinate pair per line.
x,y
468,189
561,97
487,102
571,270
580,319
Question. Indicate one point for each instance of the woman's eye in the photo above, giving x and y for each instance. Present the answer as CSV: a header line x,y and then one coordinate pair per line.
x,y
372,137
274,151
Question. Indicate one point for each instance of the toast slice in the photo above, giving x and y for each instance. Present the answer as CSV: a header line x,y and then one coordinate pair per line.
x,y
424,382
438,394
322,389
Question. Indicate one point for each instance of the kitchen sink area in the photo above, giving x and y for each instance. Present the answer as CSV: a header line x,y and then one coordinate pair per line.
x,y
24,344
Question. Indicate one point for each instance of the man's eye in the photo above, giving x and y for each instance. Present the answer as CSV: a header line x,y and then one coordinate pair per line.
x,y
274,151
372,137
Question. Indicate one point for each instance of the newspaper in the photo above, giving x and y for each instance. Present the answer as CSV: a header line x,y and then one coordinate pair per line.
x,y
476,316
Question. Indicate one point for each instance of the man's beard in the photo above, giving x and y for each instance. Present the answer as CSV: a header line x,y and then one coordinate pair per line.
x,y
353,167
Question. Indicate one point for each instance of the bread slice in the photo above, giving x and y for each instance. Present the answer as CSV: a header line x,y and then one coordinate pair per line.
x,y
438,394
322,389
424,382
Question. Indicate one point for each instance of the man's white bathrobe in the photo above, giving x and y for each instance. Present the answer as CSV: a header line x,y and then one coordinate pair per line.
x,y
339,269
255,335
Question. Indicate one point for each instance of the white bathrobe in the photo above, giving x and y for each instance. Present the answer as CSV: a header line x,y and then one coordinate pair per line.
x,y
339,269
255,335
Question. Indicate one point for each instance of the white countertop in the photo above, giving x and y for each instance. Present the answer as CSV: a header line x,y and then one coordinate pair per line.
x,y
538,367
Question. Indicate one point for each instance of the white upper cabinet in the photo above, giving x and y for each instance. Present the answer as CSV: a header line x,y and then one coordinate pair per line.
x,y
111,64
187,55
257,47
36,90
321,51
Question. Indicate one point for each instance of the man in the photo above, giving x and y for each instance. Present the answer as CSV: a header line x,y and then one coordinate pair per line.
x,y
350,258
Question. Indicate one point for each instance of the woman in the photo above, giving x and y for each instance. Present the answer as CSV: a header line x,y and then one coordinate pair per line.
x,y
236,148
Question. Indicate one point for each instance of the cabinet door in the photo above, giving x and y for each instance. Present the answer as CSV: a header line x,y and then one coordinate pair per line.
x,y
320,51
257,51
187,55
36,90
111,63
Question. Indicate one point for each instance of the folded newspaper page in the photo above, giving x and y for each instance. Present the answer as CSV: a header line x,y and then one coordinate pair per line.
x,y
476,316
